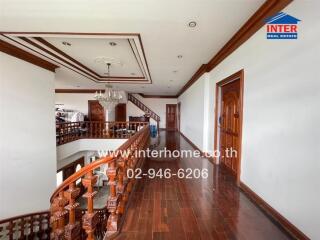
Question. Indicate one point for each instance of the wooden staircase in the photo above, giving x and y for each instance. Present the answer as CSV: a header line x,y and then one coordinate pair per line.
x,y
144,108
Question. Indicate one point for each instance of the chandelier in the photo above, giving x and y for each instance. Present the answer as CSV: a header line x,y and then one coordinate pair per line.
x,y
110,98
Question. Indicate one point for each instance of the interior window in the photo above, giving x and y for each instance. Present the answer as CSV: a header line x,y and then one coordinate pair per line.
x,y
78,167
59,177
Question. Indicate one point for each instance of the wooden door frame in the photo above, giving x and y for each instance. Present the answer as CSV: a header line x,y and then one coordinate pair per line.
x,y
89,110
236,76
175,129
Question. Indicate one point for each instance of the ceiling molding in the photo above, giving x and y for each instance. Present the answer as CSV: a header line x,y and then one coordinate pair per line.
x,y
26,56
255,22
157,96
79,90
35,42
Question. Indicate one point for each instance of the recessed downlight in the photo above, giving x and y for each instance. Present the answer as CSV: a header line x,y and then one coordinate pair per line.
x,y
179,56
112,44
175,71
192,24
66,43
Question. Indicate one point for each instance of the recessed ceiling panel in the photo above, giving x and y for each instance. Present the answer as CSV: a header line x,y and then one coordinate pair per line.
x,y
100,57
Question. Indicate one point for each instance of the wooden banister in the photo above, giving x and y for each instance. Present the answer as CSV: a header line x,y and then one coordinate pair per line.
x,y
144,108
28,226
64,203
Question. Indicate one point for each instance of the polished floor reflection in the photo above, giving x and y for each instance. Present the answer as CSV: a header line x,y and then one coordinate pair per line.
x,y
174,208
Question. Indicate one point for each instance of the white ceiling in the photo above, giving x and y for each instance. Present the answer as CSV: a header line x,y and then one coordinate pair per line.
x,y
163,26
93,52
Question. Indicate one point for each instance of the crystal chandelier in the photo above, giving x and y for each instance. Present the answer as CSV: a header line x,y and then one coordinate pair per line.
x,y
110,98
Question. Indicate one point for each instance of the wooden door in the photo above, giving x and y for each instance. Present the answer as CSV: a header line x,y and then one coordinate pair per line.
x,y
171,116
229,125
95,111
70,169
121,112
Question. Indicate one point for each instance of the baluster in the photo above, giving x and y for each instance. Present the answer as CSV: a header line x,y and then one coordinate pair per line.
x,y
112,203
73,229
121,183
91,129
101,129
22,224
90,219
58,216
107,130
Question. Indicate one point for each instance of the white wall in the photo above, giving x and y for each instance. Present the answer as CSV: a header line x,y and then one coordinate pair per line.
x,y
74,101
192,112
27,143
158,105
280,152
66,150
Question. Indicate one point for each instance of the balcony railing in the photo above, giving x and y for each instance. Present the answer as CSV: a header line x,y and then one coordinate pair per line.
x,y
71,131
65,200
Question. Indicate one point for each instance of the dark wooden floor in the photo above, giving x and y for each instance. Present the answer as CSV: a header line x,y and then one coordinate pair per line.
x,y
212,208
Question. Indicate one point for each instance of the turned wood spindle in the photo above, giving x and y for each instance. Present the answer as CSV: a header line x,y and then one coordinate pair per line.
x,y
90,218
112,223
73,229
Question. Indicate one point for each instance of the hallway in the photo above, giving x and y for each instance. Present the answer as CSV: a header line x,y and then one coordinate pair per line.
x,y
212,208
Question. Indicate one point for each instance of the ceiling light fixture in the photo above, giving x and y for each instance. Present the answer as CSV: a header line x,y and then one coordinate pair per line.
x,y
112,44
175,71
192,24
110,98
179,56
66,43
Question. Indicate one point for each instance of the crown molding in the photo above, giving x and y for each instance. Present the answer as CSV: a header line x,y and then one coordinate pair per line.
x,y
26,56
157,96
255,22
79,90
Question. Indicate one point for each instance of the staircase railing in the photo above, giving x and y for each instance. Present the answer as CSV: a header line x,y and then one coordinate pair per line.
x,y
28,226
144,108
64,201
71,131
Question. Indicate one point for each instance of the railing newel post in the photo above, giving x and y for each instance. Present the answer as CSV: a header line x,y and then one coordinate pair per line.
x,y
73,229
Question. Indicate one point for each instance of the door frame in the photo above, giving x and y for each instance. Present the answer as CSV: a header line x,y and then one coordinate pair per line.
x,y
175,129
236,76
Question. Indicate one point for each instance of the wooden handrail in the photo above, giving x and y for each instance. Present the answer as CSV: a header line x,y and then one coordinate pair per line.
x,y
92,166
143,107
22,216
70,131
28,226
64,198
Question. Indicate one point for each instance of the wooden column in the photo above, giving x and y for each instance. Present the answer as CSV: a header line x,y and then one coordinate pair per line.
x,y
58,216
90,219
73,229
112,203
